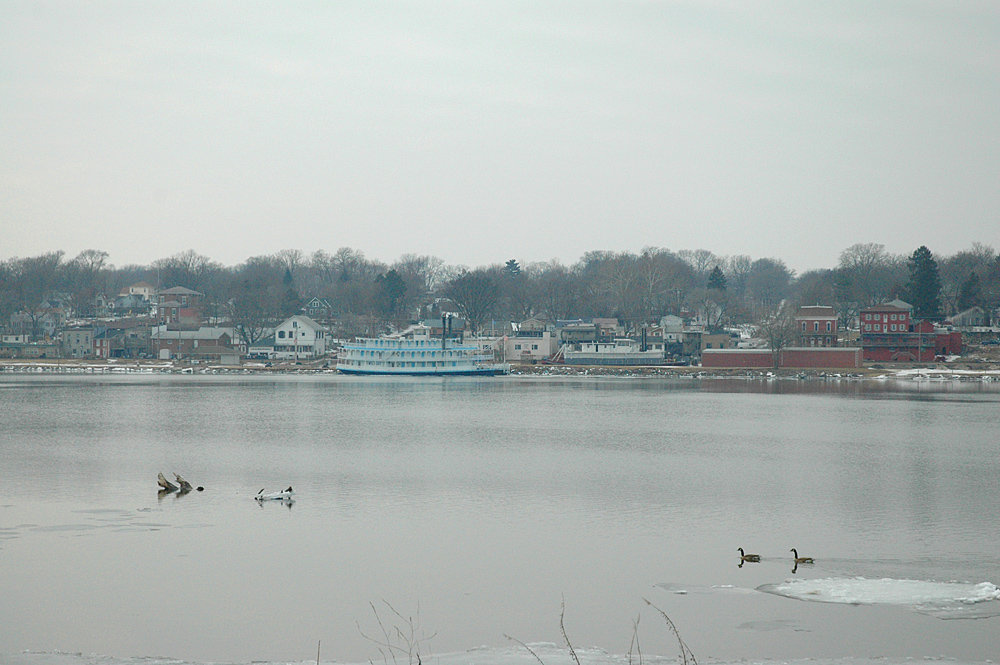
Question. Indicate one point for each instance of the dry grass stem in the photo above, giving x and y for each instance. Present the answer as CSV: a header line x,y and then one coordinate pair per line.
x,y
530,650
634,647
395,640
562,627
686,653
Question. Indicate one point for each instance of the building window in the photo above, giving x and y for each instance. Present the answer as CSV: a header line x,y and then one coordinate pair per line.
x,y
281,334
828,328
815,326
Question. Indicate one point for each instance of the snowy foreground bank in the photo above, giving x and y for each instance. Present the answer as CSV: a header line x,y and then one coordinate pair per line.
x,y
549,654
944,600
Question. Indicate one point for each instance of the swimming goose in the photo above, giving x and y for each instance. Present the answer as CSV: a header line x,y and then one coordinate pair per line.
x,y
748,557
801,559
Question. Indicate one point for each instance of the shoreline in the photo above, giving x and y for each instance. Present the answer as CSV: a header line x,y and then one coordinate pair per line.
x,y
938,371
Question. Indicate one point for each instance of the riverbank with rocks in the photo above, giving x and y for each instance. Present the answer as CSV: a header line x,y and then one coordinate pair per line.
x,y
956,370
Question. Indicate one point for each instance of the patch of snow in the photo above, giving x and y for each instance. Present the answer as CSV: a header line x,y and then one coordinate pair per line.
x,y
549,654
917,372
946,600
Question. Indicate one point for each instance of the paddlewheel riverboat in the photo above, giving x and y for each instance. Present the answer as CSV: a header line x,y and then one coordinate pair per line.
x,y
416,357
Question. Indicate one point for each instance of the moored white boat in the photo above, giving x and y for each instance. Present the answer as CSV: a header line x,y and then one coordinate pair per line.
x,y
622,352
416,357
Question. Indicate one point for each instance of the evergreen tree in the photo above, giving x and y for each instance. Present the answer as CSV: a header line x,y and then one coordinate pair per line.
x,y
716,301
970,293
716,279
390,292
924,286
291,303
511,268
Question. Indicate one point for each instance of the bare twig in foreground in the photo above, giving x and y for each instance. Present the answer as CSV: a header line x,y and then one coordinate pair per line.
x,y
687,656
394,640
562,627
685,651
634,646
514,639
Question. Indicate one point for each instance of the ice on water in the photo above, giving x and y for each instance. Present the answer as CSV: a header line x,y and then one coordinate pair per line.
x,y
947,600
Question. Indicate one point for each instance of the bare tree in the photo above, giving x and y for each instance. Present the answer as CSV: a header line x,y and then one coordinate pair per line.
x,y
84,278
768,284
815,287
32,280
870,273
555,289
738,269
955,271
421,274
476,293
701,260
777,327
191,270
256,296
661,274
612,283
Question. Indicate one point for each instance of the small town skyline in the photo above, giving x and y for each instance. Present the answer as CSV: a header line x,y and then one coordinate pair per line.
x,y
708,302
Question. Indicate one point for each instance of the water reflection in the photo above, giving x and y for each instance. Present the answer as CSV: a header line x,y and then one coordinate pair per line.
x,y
483,501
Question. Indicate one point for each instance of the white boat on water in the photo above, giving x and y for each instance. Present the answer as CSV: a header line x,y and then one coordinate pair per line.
x,y
417,356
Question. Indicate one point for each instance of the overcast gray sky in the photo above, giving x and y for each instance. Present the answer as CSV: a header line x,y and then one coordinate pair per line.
x,y
482,131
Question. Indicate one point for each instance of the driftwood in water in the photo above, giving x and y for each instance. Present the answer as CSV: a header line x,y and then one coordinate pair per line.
x,y
166,487
185,485
165,484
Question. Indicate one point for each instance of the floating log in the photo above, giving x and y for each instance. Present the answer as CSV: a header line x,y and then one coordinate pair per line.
x,y
165,484
185,485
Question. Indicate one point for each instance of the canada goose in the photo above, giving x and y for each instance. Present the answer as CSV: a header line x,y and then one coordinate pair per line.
x,y
801,559
748,557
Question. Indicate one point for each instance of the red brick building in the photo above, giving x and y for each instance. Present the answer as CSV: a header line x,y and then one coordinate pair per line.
x,y
816,325
842,357
180,308
887,318
889,334
167,343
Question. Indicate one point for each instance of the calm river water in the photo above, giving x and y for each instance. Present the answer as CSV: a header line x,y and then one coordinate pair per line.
x,y
476,507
